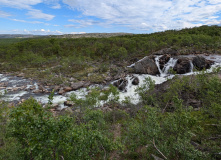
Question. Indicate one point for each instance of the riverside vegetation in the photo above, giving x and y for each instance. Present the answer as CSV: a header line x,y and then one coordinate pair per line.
x,y
162,126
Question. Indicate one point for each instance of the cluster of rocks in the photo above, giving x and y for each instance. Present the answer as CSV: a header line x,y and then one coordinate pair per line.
x,y
73,87
148,65
122,83
183,65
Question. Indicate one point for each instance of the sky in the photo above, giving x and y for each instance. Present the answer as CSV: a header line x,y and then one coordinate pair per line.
x,y
55,17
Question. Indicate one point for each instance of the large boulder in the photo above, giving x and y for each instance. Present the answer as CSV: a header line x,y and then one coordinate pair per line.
x,y
201,63
182,66
146,66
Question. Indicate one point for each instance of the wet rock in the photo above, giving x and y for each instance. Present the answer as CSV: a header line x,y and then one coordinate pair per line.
x,y
41,88
56,88
121,84
135,81
32,88
146,66
61,91
182,66
55,107
69,103
15,89
67,89
77,85
37,91
201,63
86,84
163,60
21,75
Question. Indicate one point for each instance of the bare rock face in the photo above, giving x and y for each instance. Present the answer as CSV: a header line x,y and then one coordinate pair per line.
x,y
146,66
201,63
121,84
182,66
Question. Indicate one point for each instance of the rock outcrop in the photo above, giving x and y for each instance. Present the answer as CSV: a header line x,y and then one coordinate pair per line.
x,y
201,63
146,66
182,66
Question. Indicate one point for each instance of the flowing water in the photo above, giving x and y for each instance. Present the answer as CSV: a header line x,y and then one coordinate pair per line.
x,y
25,87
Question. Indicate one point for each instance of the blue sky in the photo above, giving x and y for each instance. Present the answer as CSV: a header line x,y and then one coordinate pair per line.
x,y
93,16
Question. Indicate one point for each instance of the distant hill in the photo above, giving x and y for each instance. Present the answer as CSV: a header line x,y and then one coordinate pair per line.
x,y
85,35
95,35
16,35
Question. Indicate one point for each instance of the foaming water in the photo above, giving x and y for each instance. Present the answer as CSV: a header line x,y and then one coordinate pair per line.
x,y
131,92
169,65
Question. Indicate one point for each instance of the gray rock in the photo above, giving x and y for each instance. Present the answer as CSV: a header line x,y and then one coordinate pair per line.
x,y
146,66
77,85
61,91
67,89
135,81
201,63
56,88
121,84
182,66
163,60
69,103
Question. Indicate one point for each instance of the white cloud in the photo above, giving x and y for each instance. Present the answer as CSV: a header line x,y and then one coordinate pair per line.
x,y
35,32
84,23
28,5
78,32
4,14
56,6
147,15
37,14
21,4
24,21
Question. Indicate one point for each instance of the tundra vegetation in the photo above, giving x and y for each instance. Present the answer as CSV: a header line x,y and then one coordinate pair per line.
x,y
180,120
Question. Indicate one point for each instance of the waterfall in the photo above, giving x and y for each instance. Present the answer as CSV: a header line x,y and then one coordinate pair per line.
x,y
191,64
157,61
170,64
